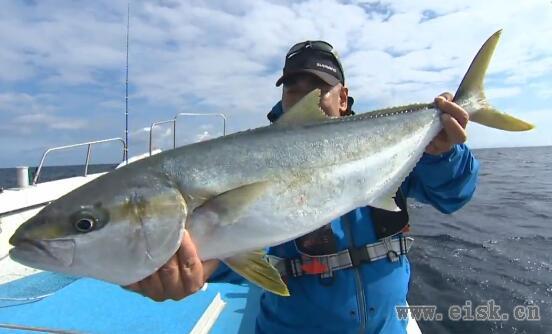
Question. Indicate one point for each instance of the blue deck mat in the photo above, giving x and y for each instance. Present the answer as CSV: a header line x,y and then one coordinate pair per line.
x,y
92,306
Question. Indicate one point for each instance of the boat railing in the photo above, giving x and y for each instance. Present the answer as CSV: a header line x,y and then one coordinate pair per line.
x,y
175,118
88,153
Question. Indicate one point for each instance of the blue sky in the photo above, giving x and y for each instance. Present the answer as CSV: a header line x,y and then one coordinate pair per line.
x,y
62,77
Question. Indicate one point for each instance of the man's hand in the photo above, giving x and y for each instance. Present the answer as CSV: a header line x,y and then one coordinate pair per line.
x,y
454,120
181,276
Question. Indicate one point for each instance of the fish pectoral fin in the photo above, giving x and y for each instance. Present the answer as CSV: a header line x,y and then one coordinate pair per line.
x,y
307,110
228,206
254,267
386,203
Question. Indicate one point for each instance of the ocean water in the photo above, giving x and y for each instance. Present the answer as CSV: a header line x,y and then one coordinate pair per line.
x,y
498,247
50,173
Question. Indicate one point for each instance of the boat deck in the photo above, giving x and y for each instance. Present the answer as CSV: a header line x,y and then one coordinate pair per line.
x,y
92,306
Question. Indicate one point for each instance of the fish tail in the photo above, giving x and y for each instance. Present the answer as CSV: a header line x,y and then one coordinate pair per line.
x,y
471,95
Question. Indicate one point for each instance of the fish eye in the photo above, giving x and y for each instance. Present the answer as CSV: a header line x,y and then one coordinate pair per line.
x,y
84,224
89,218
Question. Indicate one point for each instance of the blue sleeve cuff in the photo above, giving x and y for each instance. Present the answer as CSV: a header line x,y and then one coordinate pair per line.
x,y
447,156
446,181
224,274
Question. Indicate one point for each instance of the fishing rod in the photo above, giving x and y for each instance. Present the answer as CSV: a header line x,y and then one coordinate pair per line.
x,y
126,82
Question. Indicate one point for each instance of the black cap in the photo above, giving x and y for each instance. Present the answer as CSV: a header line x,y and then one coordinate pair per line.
x,y
322,64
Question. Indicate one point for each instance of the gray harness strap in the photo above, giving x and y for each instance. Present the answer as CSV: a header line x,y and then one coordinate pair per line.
x,y
325,265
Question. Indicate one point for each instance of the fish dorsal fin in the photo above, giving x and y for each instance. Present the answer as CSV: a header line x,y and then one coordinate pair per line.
x,y
254,267
307,110
398,109
227,207
386,202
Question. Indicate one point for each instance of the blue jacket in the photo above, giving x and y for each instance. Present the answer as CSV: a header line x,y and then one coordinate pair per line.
x,y
363,299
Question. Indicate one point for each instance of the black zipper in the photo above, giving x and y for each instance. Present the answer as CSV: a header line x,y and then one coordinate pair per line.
x,y
361,300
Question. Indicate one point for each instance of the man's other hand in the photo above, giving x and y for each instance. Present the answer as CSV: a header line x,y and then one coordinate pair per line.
x,y
454,119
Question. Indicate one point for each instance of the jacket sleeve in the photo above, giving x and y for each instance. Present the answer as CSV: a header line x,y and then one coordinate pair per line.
x,y
447,181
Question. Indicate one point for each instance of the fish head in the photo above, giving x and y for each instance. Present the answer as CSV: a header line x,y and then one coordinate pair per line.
x,y
119,228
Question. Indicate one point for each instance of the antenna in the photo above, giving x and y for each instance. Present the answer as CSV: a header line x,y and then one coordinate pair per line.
x,y
126,83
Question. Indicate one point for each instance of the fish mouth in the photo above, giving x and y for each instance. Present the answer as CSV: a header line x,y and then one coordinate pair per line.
x,y
44,254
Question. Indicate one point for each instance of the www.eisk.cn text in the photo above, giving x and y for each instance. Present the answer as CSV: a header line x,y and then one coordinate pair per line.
x,y
488,311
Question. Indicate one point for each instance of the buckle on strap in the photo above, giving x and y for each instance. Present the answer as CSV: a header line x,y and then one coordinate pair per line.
x,y
359,255
392,254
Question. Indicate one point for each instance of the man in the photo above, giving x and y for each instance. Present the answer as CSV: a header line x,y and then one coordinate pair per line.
x,y
359,295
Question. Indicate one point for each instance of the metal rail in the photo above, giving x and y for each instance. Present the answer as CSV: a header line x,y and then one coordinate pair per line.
x,y
153,125
198,114
88,152
173,121
23,209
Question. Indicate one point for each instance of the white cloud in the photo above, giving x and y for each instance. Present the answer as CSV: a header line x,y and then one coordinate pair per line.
x,y
203,136
225,56
503,92
25,114
112,104
206,127
162,136
69,42
451,40
49,121
23,103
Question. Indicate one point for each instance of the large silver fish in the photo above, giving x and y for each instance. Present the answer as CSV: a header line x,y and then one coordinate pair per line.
x,y
243,192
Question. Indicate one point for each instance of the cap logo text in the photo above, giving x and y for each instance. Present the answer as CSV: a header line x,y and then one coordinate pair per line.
x,y
326,67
